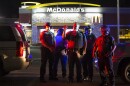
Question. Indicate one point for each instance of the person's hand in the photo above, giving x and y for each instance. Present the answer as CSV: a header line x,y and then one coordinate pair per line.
x,y
93,54
108,54
78,54
63,52
65,28
84,52
51,49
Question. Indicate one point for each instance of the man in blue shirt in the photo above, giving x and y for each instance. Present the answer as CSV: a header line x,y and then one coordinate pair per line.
x,y
60,53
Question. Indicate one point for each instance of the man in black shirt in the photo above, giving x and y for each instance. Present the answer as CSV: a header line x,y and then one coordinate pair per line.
x,y
87,60
76,41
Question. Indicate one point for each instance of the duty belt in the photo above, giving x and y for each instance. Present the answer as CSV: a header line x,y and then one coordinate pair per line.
x,y
73,49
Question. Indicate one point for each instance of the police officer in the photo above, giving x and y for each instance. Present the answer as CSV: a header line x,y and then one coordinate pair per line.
x,y
47,51
104,48
87,60
60,53
76,40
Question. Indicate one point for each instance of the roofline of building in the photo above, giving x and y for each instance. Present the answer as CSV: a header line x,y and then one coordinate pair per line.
x,y
102,10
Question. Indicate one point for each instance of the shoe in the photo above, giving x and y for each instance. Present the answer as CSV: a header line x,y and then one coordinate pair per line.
x,y
104,84
43,81
79,81
85,78
70,81
50,78
64,76
55,78
89,79
112,84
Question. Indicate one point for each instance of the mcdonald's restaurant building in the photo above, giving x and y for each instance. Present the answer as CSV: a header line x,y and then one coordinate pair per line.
x,y
33,19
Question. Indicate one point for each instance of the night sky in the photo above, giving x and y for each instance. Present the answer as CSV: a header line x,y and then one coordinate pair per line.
x,y
9,8
103,3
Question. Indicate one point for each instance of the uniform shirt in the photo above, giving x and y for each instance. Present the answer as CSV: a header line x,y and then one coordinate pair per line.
x,y
47,38
104,45
90,41
75,39
60,42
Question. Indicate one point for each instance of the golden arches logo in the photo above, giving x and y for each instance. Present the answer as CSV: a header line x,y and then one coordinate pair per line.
x,y
61,3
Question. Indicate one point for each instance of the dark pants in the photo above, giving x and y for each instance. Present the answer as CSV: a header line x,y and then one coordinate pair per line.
x,y
106,67
63,58
46,55
73,59
87,63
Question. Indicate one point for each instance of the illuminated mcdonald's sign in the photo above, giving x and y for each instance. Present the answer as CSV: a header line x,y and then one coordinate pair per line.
x,y
67,9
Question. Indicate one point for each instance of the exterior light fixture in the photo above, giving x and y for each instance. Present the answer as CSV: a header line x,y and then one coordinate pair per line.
x,y
27,4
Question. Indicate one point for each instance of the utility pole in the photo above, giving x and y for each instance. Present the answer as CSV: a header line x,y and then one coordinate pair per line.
x,y
118,20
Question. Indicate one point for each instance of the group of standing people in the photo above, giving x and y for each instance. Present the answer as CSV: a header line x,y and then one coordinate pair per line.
x,y
77,48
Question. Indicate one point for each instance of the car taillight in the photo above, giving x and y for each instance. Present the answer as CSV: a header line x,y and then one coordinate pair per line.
x,y
20,49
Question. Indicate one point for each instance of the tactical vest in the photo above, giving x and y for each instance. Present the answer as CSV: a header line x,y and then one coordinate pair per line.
x,y
49,38
104,45
90,41
75,39
60,42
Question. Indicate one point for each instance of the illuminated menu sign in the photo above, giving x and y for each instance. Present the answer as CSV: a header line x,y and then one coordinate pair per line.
x,y
63,9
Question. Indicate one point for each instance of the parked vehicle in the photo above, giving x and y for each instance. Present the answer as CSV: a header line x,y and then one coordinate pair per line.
x,y
14,48
121,60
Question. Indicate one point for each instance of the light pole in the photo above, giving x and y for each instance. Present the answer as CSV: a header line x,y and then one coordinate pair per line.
x,y
118,20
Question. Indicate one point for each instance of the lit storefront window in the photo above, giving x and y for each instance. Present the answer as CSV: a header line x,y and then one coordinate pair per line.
x,y
124,34
67,18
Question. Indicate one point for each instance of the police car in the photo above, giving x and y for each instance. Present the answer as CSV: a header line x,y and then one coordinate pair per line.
x,y
121,61
14,48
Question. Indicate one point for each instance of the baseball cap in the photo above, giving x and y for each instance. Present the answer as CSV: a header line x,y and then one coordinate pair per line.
x,y
105,27
47,24
65,26
87,27
75,24
60,31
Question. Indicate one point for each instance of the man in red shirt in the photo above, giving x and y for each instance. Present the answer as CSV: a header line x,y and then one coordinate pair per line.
x,y
104,48
47,51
